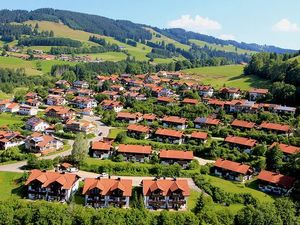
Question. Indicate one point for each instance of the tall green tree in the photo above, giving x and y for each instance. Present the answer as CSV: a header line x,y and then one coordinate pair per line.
x,y
274,158
80,148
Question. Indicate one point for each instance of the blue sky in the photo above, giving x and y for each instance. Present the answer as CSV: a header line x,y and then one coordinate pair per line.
x,y
273,22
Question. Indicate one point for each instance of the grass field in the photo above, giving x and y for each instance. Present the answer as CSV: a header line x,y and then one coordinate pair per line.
x,y
9,184
226,48
108,56
114,132
234,187
5,96
10,119
231,76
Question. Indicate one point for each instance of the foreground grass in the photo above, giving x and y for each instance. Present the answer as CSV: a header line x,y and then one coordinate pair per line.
x,y
9,184
16,63
10,119
235,187
114,132
231,76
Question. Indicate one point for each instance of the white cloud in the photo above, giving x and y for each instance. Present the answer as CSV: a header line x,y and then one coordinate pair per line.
x,y
198,24
285,25
227,37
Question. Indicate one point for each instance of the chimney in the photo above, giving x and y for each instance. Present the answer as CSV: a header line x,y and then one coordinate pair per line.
x,y
109,176
119,178
174,178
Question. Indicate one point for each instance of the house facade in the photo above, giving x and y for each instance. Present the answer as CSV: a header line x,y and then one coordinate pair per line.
x,y
182,158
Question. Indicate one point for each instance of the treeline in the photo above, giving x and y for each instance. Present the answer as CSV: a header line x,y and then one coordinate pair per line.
x,y
283,71
49,41
80,21
83,50
10,32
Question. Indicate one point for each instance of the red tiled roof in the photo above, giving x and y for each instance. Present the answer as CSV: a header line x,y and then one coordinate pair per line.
x,y
138,128
169,133
128,115
214,101
240,141
242,123
259,91
199,135
112,103
275,126
107,186
176,154
276,178
165,99
289,149
208,121
149,116
166,186
101,145
232,166
66,180
190,101
138,149
229,90
174,119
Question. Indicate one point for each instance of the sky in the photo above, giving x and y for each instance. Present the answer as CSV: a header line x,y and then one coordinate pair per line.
x,y
272,22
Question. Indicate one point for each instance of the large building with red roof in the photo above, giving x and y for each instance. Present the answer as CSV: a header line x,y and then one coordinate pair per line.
x,y
138,131
232,170
274,182
138,153
101,149
182,158
240,142
51,186
169,136
165,193
276,127
175,122
242,124
105,192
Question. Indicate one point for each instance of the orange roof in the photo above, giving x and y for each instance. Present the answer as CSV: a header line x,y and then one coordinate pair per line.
x,y
199,135
66,180
232,166
276,178
275,126
12,105
207,120
128,115
137,149
176,154
240,141
101,145
165,186
242,123
149,116
174,119
229,90
107,186
289,149
165,99
58,109
169,132
112,103
190,101
138,128
66,165
259,91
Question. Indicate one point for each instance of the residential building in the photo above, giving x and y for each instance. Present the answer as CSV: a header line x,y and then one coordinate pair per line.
x,y
116,106
166,193
13,107
200,137
81,84
28,110
183,158
55,100
138,131
190,101
149,118
169,136
256,93
242,143
105,192
165,100
10,139
276,128
202,122
205,91
230,92
51,186
241,124
139,153
36,124
175,122
232,170
80,126
287,150
60,112
102,149
129,117
84,102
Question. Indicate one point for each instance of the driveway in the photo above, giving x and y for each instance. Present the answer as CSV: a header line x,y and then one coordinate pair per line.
x,y
100,127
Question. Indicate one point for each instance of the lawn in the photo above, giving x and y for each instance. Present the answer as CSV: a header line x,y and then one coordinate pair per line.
x,y
9,185
114,132
10,119
192,200
5,96
226,48
235,187
108,56
46,65
231,76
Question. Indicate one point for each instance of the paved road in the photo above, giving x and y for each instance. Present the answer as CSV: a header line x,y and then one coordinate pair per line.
x,y
203,162
100,127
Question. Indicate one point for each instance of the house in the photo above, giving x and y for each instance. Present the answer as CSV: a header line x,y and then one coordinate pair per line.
x,y
86,112
174,121
232,170
256,93
230,92
116,106
63,84
81,84
55,100
171,75
80,126
205,91
28,110
183,158
139,153
60,112
12,107
241,142
36,124
199,136
10,139
113,95
276,128
284,109
33,102
57,91
215,103
169,136
165,100
275,183
190,101
149,118
84,92
287,150
51,186
117,88
3,104
201,122
101,149
165,193
84,102
242,124
43,144
105,192
129,117
138,131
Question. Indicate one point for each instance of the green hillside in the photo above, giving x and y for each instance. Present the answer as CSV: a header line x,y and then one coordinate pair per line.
x,y
219,76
